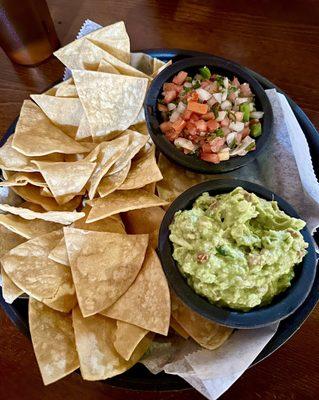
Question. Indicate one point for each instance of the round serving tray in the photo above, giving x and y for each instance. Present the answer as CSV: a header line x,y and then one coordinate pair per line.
x,y
138,377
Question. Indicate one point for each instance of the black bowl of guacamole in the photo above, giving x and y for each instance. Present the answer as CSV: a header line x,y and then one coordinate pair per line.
x,y
237,253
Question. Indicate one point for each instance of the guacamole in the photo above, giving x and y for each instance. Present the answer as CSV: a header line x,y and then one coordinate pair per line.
x,y
237,249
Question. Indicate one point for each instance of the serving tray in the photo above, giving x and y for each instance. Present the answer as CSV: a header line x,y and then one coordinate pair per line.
x,y
138,377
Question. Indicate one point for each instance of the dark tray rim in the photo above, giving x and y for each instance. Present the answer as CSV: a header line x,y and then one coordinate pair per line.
x,y
287,327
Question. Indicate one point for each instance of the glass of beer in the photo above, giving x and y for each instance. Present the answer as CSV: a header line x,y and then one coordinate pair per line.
x,y
27,33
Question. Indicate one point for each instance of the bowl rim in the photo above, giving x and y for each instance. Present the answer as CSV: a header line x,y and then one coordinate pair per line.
x,y
292,297
189,162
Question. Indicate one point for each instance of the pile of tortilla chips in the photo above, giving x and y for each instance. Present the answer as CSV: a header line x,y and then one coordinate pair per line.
x,y
81,243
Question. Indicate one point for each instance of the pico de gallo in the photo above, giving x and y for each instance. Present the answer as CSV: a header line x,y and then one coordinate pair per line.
x,y
209,115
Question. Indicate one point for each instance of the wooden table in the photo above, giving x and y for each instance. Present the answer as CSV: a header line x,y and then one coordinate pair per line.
x,y
280,40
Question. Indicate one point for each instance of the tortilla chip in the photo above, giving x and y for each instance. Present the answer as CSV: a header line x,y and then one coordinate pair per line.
x,y
35,135
32,271
84,130
108,154
64,112
137,141
53,342
53,90
151,187
157,64
147,302
9,240
142,62
126,338
176,179
112,38
67,90
105,66
121,201
111,102
11,159
98,357
140,127
25,228
178,328
23,178
66,178
32,206
112,182
10,291
60,217
140,117
45,192
101,277
159,68
206,333
33,194
144,170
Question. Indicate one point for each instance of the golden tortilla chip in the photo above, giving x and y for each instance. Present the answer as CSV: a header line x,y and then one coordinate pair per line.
x,y
10,291
157,64
206,333
108,154
84,130
178,328
147,302
176,179
53,342
140,118
143,62
101,277
140,127
67,90
121,201
33,194
66,178
27,229
32,206
98,357
52,90
64,112
35,135
112,38
144,170
159,68
151,187
60,217
126,338
23,178
45,192
111,102
105,66
112,182
32,271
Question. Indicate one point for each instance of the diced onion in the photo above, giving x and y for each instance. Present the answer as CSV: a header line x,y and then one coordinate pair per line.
x,y
218,97
224,95
171,106
203,94
256,114
241,100
188,84
221,115
231,137
237,126
181,107
251,106
226,83
226,105
185,144
175,115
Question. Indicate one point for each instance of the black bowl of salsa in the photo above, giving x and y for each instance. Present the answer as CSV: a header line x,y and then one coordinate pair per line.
x,y
281,306
206,124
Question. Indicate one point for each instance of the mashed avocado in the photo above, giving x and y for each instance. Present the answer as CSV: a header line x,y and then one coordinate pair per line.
x,y
237,249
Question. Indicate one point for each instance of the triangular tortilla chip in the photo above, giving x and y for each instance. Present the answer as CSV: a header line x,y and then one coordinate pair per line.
x,y
23,178
35,135
121,201
27,229
103,265
66,178
60,217
144,170
105,66
111,102
108,154
53,90
112,38
10,291
98,357
147,302
64,112
53,341
112,182
157,64
143,62
159,68
178,328
126,338
84,130
207,333
32,271
67,90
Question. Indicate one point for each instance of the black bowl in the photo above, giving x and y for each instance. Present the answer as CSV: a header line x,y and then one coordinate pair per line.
x,y
282,305
222,67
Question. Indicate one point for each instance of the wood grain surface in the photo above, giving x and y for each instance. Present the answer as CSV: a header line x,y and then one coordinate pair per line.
x,y
280,40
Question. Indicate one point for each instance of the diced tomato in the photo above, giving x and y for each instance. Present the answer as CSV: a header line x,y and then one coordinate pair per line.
x,y
209,115
213,158
171,135
191,128
194,117
161,107
187,114
204,84
179,125
224,122
212,125
197,107
169,86
235,82
201,125
165,126
216,144
179,79
232,97
206,148
169,96
245,90
178,88
245,132
193,96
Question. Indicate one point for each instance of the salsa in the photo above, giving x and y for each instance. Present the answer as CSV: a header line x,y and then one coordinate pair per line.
x,y
237,249
209,115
